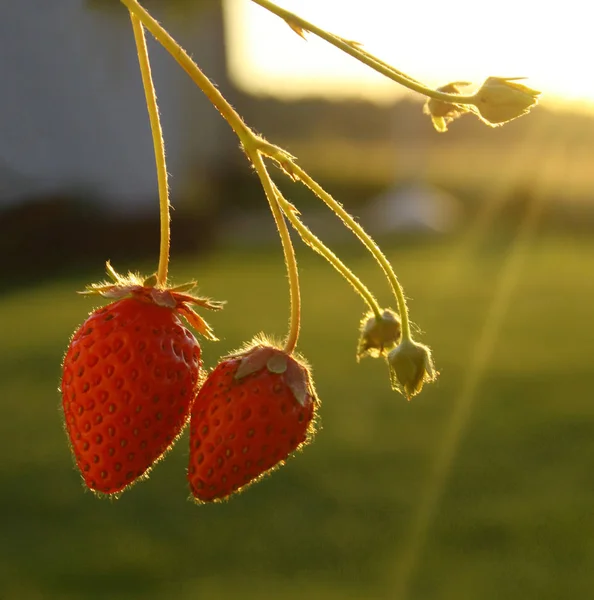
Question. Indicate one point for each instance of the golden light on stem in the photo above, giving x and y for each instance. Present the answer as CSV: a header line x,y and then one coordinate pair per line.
x,y
496,101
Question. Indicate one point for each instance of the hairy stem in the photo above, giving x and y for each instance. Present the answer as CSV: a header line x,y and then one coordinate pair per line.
x,y
159,145
190,67
354,50
298,173
254,146
251,143
316,244
289,251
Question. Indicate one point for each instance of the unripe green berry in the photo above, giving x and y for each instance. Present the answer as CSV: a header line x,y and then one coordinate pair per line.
x,y
411,366
377,336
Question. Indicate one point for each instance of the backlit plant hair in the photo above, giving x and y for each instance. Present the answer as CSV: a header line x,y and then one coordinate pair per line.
x,y
383,332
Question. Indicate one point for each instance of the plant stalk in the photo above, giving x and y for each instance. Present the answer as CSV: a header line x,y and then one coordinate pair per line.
x,y
159,146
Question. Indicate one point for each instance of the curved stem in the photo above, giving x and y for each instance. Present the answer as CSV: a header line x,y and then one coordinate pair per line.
x,y
159,145
365,239
316,244
255,145
190,67
289,251
251,143
353,49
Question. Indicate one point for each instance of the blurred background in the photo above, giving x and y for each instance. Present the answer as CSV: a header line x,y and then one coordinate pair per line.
x,y
483,486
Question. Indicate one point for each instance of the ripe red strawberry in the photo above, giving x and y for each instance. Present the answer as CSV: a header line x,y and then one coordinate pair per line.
x,y
253,411
130,375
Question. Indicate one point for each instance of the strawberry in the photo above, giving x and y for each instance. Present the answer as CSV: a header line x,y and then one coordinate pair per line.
x,y
254,410
130,375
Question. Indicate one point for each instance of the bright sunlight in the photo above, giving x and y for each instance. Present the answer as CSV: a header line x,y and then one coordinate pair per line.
x,y
429,40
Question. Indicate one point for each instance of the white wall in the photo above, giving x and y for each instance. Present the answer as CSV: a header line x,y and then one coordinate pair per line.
x,y
72,113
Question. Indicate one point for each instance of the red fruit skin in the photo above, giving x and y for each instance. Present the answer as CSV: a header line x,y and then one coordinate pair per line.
x,y
240,429
130,375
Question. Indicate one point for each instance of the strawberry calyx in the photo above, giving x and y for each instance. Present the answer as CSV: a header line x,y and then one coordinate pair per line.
x,y
262,354
147,289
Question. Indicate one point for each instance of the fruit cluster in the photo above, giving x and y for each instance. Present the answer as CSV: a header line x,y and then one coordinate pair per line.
x,y
132,376
132,379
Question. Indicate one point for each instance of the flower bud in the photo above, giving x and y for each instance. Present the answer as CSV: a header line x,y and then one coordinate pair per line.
x,y
377,336
411,366
443,113
501,99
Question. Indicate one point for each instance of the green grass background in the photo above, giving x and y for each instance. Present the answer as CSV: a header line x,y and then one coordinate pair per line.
x,y
482,488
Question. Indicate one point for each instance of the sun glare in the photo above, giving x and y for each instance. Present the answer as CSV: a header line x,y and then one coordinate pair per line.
x,y
431,40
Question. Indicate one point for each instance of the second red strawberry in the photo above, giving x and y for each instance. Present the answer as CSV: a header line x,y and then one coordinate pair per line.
x,y
253,411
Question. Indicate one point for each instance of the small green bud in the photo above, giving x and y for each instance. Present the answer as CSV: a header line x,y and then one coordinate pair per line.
x,y
443,113
411,366
501,99
377,336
